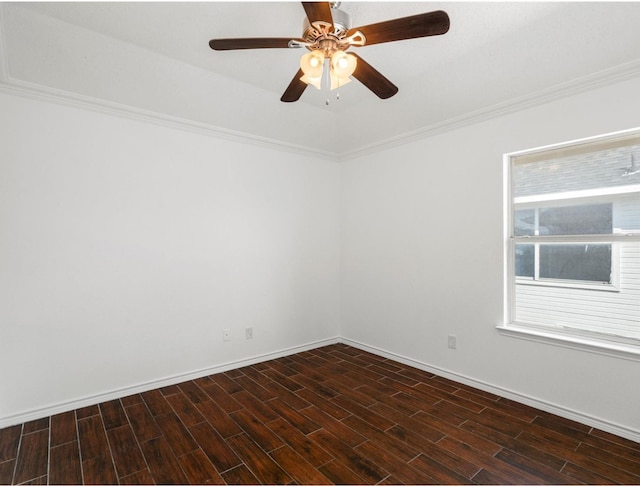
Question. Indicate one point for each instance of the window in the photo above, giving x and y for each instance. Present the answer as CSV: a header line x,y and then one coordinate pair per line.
x,y
557,262
573,243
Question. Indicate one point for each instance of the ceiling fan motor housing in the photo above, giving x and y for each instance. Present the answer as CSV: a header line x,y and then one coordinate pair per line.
x,y
341,24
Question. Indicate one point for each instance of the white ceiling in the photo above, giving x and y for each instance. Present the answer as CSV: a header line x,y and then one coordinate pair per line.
x,y
154,57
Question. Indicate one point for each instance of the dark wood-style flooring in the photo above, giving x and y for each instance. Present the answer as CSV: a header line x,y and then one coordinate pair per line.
x,y
332,415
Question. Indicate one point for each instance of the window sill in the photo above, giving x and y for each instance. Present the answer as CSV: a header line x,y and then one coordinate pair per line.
x,y
617,350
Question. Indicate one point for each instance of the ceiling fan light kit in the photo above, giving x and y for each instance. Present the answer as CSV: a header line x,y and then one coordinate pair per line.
x,y
327,34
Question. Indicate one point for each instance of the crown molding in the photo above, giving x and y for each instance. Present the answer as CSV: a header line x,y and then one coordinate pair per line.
x,y
589,82
53,95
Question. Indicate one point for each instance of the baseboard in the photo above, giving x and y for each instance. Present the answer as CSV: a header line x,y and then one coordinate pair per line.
x,y
67,406
589,420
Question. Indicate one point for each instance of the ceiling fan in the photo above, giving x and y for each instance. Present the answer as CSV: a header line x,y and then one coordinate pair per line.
x,y
327,34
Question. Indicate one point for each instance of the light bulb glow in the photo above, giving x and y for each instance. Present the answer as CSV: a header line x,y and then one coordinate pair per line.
x,y
343,64
312,64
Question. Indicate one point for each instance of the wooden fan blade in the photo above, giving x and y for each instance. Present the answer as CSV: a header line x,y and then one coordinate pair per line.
x,y
421,25
372,79
295,88
251,43
318,11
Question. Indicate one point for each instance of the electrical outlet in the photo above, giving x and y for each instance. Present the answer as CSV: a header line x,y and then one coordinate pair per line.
x,y
249,332
452,341
226,335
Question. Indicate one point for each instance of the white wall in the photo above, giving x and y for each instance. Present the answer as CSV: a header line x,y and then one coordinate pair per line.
x,y
126,248
422,257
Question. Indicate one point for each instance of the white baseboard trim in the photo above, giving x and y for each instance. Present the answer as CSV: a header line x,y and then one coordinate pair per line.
x,y
67,406
589,420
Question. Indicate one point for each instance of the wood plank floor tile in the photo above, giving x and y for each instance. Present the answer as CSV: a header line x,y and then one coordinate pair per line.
x,y
131,400
125,451
176,434
99,470
328,423
300,443
440,473
223,424
65,466
582,475
223,399
257,407
215,447
141,477
113,414
253,372
93,439
199,469
226,383
169,390
416,426
300,470
544,473
339,473
260,392
33,456
319,388
156,402
298,419
63,428
395,446
334,414
142,422
193,392
282,380
400,471
240,475
163,464
184,409
464,436
326,406
35,425
286,396
254,428
373,418
445,414
42,480
6,471
258,461
9,442
451,462
356,462
622,447
88,411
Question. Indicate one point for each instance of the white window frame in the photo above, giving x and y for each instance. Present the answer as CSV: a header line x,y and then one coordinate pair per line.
x,y
563,336
580,198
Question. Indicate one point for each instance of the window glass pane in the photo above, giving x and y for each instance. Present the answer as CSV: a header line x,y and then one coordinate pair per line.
x,y
576,220
525,221
590,262
525,261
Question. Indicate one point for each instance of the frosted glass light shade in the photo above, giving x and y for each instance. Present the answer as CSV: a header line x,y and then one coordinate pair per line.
x,y
343,64
312,64
317,82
